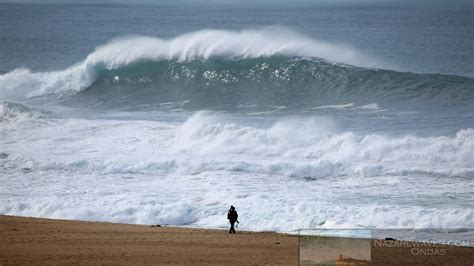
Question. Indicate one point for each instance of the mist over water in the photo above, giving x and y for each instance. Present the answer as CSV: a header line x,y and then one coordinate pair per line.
x,y
173,128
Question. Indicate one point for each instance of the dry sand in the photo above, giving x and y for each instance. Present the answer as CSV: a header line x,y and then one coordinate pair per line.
x,y
59,242
45,241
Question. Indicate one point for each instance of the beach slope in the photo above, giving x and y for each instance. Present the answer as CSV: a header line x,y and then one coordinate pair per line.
x,y
37,241
27,241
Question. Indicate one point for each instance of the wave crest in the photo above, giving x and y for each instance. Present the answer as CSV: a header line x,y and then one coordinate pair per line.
x,y
200,45
217,69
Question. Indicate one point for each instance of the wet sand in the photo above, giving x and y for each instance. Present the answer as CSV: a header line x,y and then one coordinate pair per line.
x,y
45,241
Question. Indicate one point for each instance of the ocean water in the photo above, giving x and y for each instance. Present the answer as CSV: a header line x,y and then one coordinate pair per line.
x,y
303,116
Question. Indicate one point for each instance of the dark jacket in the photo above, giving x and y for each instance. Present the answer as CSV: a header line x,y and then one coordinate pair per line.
x,y
232,216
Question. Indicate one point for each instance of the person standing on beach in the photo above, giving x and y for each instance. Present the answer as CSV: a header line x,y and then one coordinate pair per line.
x,y
232,216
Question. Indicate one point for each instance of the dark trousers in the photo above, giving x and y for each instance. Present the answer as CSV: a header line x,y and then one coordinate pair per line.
x,y
232,230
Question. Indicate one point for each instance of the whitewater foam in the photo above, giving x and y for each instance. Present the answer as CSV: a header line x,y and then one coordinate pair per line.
x,y
13,115
334,106
303,170
184,201
317,149
351,106
316,139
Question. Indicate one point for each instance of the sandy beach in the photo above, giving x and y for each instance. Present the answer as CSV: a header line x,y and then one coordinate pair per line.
x,y
46,241
29,241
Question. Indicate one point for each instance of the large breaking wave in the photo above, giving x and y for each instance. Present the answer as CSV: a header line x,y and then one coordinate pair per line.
x,y
200,45
225,70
